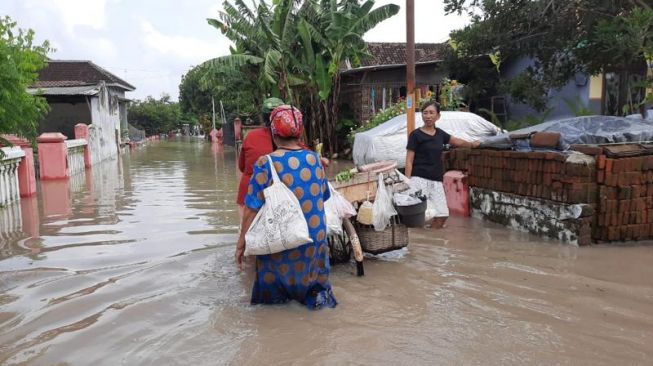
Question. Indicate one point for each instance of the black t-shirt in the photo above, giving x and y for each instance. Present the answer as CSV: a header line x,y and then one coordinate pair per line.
x,y
428,153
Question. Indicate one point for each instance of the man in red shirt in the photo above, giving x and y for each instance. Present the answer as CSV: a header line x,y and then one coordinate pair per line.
x,y
257,143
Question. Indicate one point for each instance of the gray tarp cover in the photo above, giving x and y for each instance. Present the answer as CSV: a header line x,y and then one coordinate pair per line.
x,y
584,130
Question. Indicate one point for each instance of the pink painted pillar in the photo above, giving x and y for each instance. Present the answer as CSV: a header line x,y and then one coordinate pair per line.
x,y
214,135
56,198
29,209
238,125
53,156
220,136
26,170
81,132
456,190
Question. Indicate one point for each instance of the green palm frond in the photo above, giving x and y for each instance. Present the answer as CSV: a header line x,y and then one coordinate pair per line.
x,y
270,66
316,35
245,10
307,41
296,80
322,78
289,29
373,18
272,39
231,61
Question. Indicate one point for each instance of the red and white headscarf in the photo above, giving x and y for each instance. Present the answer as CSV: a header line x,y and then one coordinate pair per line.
x,y
286,121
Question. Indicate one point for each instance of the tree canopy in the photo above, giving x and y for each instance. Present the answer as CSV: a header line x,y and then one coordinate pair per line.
x,y
293,50
562,37
155,116
231,86
20,61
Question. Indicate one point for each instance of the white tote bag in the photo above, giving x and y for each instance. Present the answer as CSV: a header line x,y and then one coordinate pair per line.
x,y
280,224
382,208
345,208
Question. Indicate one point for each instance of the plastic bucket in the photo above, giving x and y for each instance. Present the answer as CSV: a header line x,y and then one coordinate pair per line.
x,y
412,216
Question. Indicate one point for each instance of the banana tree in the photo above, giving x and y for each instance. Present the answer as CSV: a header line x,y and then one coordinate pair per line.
x,y
294,50
339,33
264,38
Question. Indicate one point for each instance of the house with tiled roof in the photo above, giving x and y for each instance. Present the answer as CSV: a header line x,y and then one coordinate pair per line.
x,y
83,92
381,79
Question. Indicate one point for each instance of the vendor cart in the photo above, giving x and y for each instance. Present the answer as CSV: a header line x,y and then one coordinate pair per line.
x,y
362,186
359,188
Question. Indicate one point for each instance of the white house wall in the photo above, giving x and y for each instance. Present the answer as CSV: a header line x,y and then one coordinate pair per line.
x,y
103,139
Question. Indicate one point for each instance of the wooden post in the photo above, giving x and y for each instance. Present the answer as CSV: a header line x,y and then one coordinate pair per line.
x,y
355,246
410,65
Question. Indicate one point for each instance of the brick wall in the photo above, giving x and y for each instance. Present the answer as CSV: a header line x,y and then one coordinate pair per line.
x,y
535,174
625,198
619,190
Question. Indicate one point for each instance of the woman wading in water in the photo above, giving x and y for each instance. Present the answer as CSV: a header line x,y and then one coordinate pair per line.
x,y
300,274
424,162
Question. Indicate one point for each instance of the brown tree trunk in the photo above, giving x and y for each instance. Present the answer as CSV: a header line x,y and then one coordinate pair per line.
x,y
333,113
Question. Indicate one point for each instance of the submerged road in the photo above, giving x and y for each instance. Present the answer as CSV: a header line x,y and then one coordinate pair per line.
x,y
132,264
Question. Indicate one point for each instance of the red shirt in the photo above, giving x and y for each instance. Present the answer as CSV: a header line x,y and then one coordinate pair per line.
x,y
256,144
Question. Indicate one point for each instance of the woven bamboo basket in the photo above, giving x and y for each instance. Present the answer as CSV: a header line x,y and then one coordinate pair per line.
x,y
394,237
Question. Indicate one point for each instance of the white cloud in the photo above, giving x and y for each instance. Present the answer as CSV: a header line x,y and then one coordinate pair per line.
x,y
182,47
151,43
431,25
214,10
90,13
103,49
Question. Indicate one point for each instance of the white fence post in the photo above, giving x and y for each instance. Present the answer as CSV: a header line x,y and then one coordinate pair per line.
x,y
9,191
76,156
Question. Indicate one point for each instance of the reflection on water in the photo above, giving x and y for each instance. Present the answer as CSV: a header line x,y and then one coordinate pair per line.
x,y
132,263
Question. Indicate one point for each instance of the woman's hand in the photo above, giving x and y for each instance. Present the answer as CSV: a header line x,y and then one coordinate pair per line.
x,y
408,169
240,253
248,217
458,142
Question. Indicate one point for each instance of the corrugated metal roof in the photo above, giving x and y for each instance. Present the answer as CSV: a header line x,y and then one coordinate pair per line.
x,y
69,90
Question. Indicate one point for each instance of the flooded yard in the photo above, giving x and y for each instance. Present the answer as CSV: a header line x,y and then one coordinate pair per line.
x,y
132,264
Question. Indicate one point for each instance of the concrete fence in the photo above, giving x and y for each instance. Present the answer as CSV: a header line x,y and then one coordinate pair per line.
x,y
75,157
77,182
11,224
60,160
9,188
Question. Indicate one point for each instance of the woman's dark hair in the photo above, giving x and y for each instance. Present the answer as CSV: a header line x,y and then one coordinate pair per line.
x,y
429,103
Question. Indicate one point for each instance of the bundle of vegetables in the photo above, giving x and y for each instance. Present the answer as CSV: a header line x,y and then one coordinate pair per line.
x,y
345,175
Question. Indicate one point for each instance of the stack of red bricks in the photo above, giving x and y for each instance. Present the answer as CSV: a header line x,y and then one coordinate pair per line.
x,y
543,175
625,210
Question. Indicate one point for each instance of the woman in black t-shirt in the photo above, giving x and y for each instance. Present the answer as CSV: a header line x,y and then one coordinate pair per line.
x,y
424,162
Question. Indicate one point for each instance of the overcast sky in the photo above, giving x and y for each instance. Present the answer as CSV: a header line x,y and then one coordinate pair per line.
x,y
152,43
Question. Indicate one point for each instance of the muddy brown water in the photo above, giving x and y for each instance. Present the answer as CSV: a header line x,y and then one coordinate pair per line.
x,y
132,264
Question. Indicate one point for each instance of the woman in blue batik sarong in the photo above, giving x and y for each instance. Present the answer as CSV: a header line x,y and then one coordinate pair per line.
x,y
300,274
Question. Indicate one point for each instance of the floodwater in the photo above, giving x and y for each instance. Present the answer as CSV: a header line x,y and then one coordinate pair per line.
x,y
132,264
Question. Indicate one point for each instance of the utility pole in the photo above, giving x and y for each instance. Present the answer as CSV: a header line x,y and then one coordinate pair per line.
x,y
224,116
410,65
213,107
